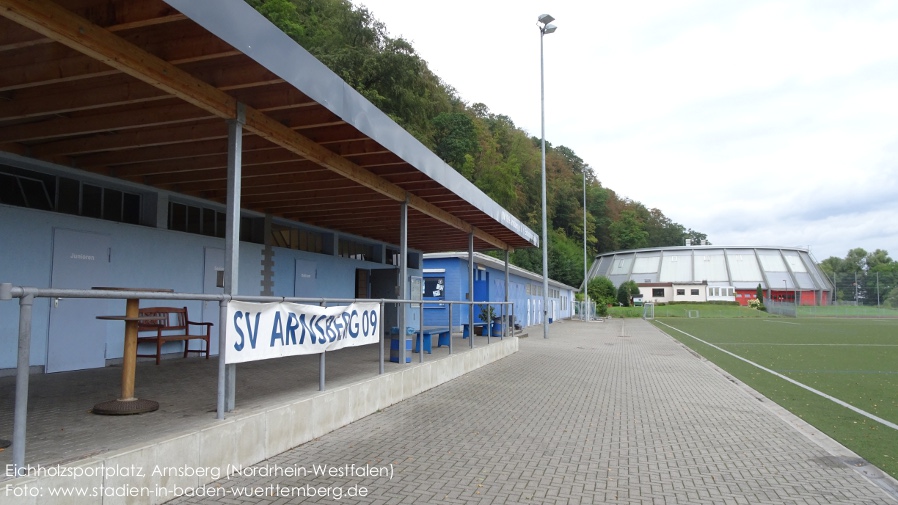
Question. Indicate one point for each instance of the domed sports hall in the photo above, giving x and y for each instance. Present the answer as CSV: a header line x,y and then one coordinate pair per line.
x,y
707,273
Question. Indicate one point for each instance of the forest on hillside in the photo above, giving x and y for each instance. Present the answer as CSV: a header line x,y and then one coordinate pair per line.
x,y
501,159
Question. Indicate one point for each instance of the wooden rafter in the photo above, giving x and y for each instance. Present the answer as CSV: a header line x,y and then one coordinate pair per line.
x,y
197,77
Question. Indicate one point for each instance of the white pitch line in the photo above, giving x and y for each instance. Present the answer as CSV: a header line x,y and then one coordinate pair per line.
x,y
799,384
779,322
781,343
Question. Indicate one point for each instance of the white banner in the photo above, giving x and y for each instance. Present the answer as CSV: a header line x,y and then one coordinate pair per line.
x,y
272,330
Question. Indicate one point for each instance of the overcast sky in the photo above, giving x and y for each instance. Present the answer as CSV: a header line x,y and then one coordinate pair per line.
x,y
755,122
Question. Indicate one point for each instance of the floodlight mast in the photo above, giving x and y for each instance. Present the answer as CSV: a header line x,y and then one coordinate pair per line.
x,y
544,28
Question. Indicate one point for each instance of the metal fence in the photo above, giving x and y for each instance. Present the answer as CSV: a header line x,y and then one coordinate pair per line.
x,y
585,310
27,295
839,309
787,309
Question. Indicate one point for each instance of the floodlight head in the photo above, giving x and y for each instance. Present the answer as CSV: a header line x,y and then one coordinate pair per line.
x,y
549,29
546,18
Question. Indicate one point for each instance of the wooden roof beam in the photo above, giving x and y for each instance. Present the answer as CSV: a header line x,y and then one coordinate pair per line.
x,y
51,20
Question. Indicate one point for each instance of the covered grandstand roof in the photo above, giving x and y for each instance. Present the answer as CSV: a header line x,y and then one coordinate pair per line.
x,y
142,92
742,267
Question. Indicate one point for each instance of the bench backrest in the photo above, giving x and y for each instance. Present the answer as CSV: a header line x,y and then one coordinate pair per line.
x,y
169,318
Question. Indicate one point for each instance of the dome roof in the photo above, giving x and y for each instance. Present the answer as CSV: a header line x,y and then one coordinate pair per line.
x,y
741,267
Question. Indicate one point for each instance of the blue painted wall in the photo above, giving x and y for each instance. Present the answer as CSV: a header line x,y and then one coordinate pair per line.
x,y
456,275
141,257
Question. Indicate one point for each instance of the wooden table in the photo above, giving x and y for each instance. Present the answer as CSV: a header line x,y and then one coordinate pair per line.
x,y
127,403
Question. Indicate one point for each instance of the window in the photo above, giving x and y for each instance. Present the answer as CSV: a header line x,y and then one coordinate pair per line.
x,y
298,239
694,292
198,220
203,221
721,291
393,256
355,250
658,292
35,190
681,292
434,288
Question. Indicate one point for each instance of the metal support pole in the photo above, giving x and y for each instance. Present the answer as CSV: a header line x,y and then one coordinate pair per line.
x,y
489,322
584,238
421,333
545,238
20,415
450,327
321,364
380,350
403,276
506,313
471,288
321,369
222,367
232,235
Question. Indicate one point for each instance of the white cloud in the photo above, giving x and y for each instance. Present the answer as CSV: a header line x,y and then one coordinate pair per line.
x,y
761,122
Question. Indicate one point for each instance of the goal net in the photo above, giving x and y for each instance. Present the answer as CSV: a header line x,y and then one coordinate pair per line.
x,y
648,311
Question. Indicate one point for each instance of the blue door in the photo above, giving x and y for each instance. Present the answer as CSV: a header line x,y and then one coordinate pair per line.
x,y
481,294
77,339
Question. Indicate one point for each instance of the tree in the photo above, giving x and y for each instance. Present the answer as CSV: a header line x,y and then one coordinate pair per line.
x,y
565,259
867,278
488,149
880,280
661,230
876,259
625,293
601,290
455,141
628,232
892,299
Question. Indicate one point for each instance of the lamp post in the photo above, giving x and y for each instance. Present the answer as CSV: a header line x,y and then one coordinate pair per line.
x,y
584,239
545,27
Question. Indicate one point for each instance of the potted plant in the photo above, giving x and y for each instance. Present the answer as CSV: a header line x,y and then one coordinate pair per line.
x,y
487,313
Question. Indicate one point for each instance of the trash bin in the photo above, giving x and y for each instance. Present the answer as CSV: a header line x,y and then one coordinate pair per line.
x,y
394,345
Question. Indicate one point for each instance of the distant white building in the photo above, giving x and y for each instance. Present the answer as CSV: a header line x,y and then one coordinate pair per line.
x,y
702,273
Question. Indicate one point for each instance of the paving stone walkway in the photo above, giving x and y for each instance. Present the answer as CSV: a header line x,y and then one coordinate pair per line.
x,y
613,412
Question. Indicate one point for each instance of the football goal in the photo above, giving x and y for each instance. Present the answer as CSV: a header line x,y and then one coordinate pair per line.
x,y
648,311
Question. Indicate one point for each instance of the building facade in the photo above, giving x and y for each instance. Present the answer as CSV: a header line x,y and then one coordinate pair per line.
x,y
718,273
234,164
446,278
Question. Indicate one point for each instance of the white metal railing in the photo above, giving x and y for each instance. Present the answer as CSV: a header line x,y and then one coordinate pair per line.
x,y
26,296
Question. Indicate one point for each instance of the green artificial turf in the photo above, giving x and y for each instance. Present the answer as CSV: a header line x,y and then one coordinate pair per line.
x,y
853,360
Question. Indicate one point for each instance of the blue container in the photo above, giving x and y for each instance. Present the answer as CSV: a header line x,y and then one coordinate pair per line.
x,y
394,350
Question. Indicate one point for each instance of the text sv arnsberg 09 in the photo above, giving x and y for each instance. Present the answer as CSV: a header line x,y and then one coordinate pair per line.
x,y
271,330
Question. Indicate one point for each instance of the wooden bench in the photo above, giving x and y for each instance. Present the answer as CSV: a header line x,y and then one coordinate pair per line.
x,y
169,324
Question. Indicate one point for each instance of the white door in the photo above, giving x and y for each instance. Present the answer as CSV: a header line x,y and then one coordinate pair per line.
x,y
77,339
306,282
